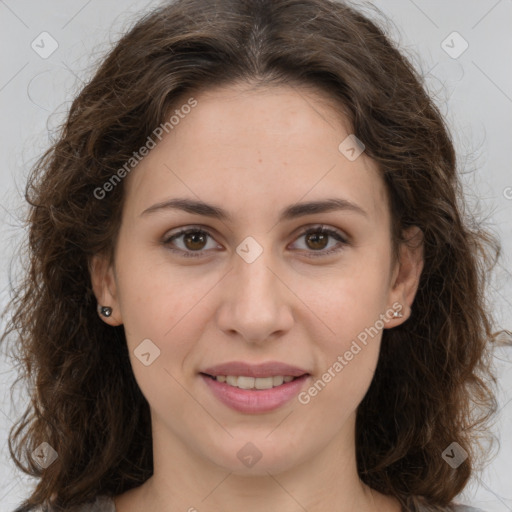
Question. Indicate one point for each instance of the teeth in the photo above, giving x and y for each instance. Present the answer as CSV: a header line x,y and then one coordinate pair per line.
x,y
277,380
264,382
232,381
244,382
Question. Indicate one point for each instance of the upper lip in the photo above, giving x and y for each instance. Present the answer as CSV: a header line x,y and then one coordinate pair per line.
x,y
269,369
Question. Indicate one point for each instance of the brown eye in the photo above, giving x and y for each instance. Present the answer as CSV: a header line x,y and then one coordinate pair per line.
x,y
195,240
191,242
317,241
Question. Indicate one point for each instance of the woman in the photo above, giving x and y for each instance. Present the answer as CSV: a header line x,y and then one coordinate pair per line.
x,y
251,285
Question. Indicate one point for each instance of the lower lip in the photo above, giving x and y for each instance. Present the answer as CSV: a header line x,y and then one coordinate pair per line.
x,y
254,401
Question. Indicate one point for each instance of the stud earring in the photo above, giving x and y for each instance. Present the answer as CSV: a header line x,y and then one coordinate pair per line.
x,y
397,314
105,310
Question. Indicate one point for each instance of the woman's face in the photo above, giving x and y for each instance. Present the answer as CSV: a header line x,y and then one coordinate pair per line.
x,y
246,293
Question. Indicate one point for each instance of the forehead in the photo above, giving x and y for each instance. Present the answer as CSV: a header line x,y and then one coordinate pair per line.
x,y
254,149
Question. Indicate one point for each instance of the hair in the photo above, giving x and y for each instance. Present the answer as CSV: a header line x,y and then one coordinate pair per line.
x,y
433,381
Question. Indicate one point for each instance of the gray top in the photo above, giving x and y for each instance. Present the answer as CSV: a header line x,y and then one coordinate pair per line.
x,y
456,508
106,504
100,504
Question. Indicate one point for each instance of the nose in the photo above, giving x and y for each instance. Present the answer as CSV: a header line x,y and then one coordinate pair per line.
x,y
255,304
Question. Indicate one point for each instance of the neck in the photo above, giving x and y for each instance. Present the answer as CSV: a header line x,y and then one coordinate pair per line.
x,y
328,480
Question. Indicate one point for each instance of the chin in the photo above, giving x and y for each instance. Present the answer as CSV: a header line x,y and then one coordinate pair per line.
x,y
256,458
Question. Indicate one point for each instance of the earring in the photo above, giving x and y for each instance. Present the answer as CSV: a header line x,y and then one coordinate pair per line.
x,y
105,310
397,314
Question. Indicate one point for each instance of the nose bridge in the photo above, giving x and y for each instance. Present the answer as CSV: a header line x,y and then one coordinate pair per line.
x,y
254,303
255,280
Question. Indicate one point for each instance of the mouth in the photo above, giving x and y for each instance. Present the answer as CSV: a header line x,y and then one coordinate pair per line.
x,y
255,383
253,389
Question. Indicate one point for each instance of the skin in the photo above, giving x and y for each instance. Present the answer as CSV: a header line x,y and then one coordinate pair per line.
x,y
253,152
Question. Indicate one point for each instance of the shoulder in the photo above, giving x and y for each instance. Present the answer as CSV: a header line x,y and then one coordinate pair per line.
x,y
99,504
414,505
465,508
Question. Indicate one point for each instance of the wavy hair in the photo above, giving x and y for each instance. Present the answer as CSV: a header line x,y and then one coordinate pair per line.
x,y
433,382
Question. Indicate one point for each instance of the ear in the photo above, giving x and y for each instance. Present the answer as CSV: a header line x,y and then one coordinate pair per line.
x,y
407,273
104,286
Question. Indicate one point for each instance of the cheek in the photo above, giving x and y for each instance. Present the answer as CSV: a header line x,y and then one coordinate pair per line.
x,y
348,349
348,328
154,294
348,300
161,303
163,315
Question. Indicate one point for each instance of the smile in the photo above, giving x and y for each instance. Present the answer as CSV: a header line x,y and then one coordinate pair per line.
x,y
245,382
254,388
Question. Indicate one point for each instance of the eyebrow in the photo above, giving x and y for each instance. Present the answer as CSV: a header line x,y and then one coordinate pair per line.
x,y
290,212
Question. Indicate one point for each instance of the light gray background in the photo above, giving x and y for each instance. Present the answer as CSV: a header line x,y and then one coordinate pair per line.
x,y
474,92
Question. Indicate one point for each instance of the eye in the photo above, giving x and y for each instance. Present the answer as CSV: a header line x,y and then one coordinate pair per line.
x,y
193,242
317,240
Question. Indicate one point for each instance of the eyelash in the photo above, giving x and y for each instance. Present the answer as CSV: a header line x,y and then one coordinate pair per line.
x,y
314,254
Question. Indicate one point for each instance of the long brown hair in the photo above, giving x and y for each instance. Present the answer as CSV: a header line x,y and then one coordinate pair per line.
x,y
433,369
